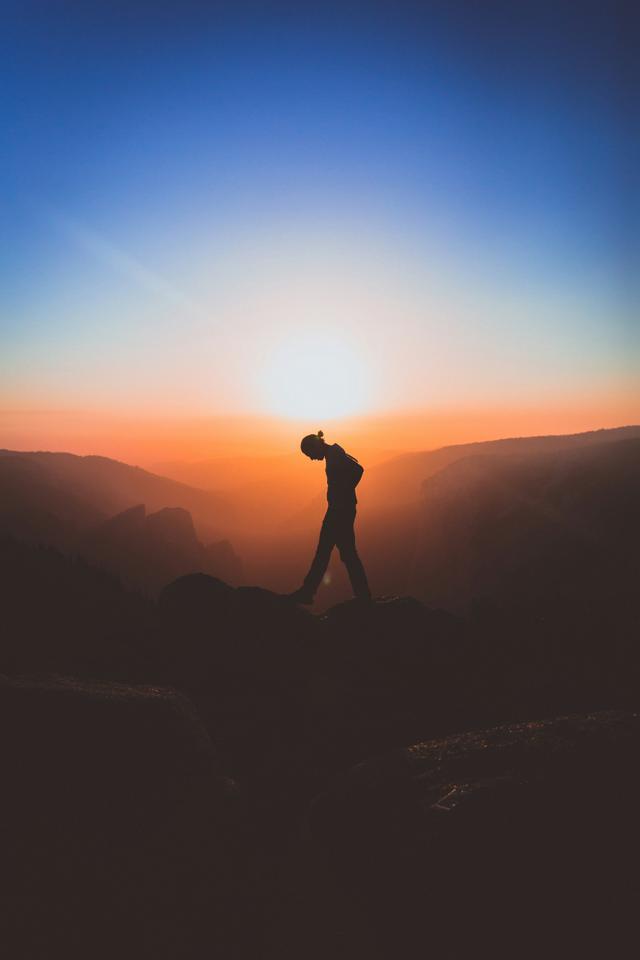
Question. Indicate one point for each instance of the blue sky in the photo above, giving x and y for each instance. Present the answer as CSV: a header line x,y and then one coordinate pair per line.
x,y
472,164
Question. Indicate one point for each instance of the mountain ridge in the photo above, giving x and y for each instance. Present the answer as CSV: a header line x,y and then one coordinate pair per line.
x,y
434,459
116,485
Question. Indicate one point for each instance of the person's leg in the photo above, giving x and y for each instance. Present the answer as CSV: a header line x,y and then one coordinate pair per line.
x,y
346,543
320,562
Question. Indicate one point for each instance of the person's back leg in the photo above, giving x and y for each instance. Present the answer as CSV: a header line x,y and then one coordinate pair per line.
x,y
320,562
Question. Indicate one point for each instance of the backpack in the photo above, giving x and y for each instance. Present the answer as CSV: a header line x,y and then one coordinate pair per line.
x,y
354,470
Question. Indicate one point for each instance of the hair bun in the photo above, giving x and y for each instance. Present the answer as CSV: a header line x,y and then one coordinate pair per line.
x,y
320,434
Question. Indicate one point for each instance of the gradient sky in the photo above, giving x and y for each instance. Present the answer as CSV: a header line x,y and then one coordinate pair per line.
x,y
316,210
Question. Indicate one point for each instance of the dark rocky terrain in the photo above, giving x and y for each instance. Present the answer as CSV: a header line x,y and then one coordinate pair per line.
x,y
220,773
519,840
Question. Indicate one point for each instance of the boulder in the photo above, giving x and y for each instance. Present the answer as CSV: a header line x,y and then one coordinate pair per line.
x,y
215,634
197,599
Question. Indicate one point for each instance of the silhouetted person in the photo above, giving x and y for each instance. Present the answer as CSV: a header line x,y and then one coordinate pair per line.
x,y
343,476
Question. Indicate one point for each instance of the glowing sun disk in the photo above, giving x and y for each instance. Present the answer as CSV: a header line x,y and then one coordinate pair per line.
x,y
315,377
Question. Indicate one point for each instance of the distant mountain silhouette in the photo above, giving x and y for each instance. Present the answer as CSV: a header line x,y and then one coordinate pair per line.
x,y
64,501
35,508
400,479
150,550
527,529
109,486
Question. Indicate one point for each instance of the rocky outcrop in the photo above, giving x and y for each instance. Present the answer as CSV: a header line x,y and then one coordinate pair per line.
x,y
212,631
173,525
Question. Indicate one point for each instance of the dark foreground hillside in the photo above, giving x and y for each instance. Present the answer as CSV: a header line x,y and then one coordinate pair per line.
x,y
222,774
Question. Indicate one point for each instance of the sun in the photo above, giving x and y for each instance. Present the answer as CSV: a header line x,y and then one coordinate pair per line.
x,y
318,376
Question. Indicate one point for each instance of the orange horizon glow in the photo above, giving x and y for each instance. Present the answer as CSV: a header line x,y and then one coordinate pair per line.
x,y
147,440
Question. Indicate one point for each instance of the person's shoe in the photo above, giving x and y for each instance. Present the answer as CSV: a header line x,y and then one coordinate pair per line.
x,y
301,596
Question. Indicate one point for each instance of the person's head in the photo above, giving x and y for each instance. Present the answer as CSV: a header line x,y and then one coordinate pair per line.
x,y
313,445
